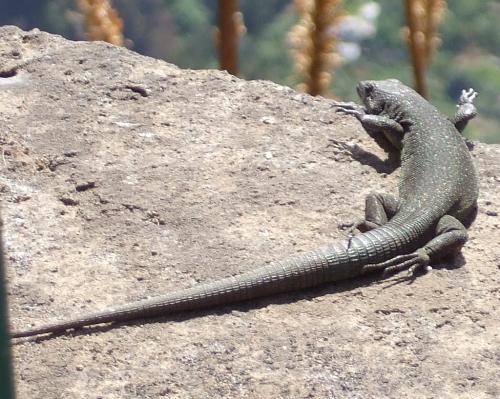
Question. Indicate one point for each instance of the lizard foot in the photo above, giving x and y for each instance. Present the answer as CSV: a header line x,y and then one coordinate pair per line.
x,y
411,262
467,97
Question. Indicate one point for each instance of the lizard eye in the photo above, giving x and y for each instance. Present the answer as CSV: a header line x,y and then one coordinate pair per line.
x,y
368,90
364,89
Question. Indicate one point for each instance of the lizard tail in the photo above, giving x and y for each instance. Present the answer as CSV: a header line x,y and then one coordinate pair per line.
x,y
333,263
303,271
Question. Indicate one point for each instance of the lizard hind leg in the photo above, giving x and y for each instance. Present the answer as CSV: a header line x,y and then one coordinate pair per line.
x,y
411,262
449,237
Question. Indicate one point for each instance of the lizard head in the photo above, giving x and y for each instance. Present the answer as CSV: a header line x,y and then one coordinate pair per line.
x,y
375,94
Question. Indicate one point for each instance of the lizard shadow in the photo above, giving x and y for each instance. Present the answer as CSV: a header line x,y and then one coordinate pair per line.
x,y
243,307
364,157
387,166
371,279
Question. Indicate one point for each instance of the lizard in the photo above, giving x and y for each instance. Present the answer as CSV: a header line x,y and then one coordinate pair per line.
x,y
437,202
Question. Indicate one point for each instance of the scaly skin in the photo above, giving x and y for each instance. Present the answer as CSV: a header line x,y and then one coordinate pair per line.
x,y
437,196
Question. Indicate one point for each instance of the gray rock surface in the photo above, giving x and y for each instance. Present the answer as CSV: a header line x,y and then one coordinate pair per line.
x,y
124,177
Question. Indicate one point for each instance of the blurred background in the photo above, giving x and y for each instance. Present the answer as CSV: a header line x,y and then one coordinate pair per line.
x,y
323,47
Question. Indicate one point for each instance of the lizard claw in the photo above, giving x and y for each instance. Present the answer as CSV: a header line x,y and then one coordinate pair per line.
x,y
344,104
357,112
411,262
418,260
467,97
349,108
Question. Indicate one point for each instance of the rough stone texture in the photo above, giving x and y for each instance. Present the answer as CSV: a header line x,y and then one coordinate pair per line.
x,y
124,177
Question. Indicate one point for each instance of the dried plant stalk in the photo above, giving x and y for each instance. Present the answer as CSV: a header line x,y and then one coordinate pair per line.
x,y
313,43
102,21
423,18
230,28
434,11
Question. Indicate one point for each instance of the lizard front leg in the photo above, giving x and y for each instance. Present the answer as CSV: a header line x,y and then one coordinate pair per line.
x,y
466,110
379,208
373,124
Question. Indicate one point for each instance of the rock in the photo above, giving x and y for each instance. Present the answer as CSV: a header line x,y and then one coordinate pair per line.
x,y
172,176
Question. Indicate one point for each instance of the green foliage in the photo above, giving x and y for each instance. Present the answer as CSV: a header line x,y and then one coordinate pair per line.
x,y
264,54
260,15
181,32
472,23
190,15
468,57
194,27
53,15
388,44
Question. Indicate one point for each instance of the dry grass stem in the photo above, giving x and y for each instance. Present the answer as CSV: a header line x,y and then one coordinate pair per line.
x,y
423,18
228,33
102,21
313,43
